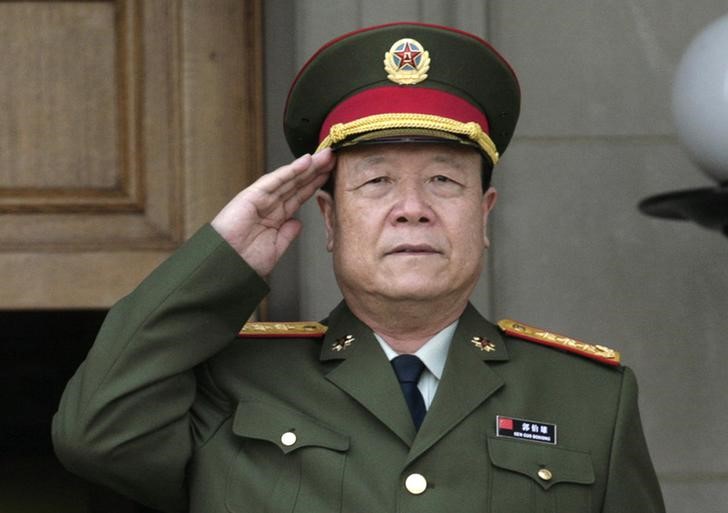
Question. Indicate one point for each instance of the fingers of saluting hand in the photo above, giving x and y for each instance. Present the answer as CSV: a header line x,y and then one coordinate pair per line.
x,y
276,196
291,185
258,223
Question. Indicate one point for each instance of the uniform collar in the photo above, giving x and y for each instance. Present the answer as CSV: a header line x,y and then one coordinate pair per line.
x,y
346,334
433,353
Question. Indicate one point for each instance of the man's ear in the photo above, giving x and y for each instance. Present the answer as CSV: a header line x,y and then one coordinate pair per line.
x,y
326,205
488,202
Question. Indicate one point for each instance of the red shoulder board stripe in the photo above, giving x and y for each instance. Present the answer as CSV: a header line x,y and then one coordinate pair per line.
x,y
595,352
282,329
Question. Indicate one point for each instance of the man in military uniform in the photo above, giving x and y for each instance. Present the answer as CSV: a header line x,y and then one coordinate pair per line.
x,y
405,398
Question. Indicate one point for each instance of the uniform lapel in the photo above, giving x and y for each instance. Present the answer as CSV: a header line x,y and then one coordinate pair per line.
x,y
365,373
467,381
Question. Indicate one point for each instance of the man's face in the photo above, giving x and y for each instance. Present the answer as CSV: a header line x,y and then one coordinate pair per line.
x,y
408,221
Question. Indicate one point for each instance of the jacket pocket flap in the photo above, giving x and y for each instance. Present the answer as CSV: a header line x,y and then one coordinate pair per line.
x,y
285,427
545,464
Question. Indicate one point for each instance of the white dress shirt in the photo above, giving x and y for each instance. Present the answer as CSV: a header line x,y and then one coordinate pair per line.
x,y
433,354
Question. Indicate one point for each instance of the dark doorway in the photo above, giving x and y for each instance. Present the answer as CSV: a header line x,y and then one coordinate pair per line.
x,y
39,352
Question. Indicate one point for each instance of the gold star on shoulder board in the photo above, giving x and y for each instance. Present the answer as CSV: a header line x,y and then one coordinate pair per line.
x,y
483,344
342,343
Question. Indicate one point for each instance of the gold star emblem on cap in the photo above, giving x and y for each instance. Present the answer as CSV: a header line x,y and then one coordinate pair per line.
x,y
342,343
483,344
407,62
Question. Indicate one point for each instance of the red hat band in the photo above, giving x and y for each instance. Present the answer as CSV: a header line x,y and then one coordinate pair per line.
x,y
395,107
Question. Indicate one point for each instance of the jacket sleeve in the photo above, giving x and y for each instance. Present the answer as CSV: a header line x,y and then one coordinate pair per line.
x,y
124,418
632,483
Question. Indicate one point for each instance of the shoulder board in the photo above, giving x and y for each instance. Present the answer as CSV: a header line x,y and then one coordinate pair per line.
x,y
282,329
595,352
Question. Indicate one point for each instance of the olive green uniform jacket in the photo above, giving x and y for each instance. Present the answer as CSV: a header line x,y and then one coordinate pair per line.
x,y
173,410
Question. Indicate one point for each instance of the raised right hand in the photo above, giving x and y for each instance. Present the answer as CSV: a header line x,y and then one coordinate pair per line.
x,y
258,223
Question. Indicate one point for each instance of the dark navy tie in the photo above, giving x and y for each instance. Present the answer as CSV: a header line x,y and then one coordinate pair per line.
x,y
408,369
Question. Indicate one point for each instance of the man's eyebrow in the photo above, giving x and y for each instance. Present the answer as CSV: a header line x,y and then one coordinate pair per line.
x,y
369,161
448,159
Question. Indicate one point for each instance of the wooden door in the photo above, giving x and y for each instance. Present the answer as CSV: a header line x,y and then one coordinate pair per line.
x,y
124,125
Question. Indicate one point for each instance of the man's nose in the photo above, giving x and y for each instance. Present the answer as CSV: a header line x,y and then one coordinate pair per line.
x,y
412,205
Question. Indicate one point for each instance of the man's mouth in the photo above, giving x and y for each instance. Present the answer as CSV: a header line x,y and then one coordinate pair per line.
x,y
413,249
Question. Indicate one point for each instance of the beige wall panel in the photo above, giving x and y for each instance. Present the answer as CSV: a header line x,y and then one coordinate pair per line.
x,y
80,145
59,80
223,102
131,123
72,280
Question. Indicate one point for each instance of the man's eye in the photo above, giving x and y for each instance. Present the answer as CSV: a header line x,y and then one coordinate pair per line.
x,y
444,185
375,185
443,179
378,180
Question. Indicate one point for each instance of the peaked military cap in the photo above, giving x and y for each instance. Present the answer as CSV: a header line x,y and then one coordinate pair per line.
x,y
403,82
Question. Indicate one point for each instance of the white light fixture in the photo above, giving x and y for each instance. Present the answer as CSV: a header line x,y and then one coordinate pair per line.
x,y
700,110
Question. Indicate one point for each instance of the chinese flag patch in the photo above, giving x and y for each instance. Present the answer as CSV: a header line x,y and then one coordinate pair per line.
x,y
505,423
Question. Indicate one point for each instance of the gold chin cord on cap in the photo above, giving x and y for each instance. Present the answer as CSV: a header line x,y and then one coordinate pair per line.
x,y
341,131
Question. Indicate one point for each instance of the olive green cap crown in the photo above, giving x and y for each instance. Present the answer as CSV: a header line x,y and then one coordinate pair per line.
x,y
460,68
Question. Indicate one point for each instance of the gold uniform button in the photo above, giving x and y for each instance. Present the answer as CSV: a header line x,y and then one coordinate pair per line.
x,y
415,484
288,438
545,474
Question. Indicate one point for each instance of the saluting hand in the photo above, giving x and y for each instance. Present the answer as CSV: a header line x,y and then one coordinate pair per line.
x,y
258,223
